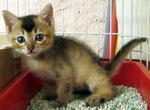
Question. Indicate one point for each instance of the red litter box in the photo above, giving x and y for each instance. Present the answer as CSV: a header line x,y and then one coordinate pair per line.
x,y
18,93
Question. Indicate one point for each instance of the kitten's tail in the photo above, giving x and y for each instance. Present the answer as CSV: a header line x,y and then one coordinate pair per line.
x,y
122,53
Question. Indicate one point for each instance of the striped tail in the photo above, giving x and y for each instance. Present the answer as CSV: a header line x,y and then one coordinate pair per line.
x,y
122,54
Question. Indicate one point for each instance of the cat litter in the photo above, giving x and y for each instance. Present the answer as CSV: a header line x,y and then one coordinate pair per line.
x,y
127,98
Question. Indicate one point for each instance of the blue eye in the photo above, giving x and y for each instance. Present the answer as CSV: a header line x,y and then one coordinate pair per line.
x,y
20,39
39,37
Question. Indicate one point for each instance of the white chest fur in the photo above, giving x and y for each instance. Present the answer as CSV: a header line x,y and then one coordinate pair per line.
x,y
42,69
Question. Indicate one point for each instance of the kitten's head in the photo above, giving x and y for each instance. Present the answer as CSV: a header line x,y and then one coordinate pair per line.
x,y
31,34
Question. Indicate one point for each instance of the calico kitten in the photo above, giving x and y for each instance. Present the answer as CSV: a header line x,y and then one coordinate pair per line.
x,y
68,63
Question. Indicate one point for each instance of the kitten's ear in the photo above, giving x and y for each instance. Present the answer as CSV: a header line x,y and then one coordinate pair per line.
x,y
10,19
46,14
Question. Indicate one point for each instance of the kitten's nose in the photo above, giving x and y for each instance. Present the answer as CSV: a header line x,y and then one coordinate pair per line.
x,y
30,48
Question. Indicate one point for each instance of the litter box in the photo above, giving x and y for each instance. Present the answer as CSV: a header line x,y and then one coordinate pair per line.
x,y
17,94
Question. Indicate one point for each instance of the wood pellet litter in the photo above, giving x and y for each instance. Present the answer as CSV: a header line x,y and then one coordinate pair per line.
x,y
127,98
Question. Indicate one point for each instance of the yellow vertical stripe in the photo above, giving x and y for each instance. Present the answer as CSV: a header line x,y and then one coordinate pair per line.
x,y
116,46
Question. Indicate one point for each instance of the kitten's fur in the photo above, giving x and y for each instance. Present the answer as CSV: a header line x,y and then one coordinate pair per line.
x,y
70,64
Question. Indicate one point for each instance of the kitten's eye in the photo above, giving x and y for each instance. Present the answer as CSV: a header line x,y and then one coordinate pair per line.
x,y
39,37
20,39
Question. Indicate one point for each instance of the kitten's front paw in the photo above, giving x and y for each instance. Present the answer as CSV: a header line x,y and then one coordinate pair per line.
x,y
94,101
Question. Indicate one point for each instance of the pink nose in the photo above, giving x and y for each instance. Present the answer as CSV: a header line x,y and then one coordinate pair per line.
x,y
30,48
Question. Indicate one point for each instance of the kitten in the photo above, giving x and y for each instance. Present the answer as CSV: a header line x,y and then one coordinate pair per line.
x,y
68,63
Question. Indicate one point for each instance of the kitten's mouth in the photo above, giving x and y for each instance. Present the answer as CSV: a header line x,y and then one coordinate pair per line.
x,y
32,53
